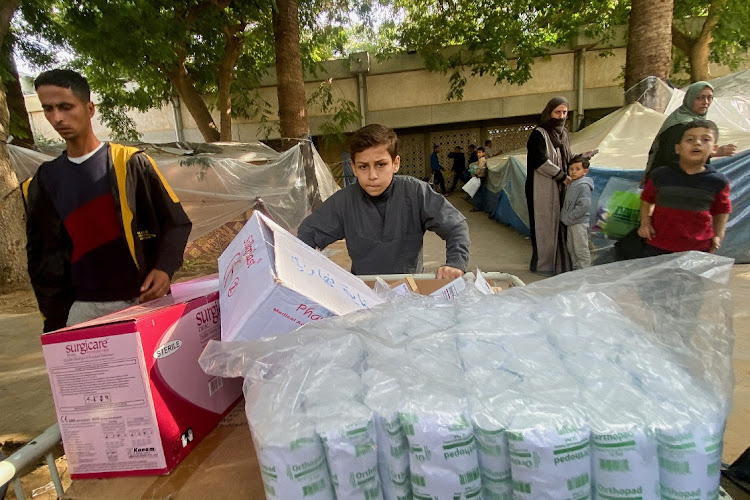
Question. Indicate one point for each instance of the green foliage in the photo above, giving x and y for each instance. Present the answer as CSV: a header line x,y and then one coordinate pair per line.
x,y
731,36
128,48
484,37
345,112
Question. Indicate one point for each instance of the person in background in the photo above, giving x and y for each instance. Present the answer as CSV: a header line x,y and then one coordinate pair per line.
x,y
104,229
576,211
488,151
546,176
695,105
479,170
473,158
459,166
686,208
383,217
437,169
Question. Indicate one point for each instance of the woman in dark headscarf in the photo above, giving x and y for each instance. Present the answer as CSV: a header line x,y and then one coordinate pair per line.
x,y
698,99
546,176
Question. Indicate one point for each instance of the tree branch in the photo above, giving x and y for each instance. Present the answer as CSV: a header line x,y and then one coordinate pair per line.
x,y
682,40
712,19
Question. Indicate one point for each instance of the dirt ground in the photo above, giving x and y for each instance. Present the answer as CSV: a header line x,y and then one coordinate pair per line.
x,y
26,407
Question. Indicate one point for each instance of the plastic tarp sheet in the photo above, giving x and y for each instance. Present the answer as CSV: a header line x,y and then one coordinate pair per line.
x,y
623,139
618,382
218,182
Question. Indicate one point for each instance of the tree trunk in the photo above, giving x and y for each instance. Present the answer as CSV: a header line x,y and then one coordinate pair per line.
x,y
649,40
290,86
21,130
12,221
185,88
232,49
7,9
13,273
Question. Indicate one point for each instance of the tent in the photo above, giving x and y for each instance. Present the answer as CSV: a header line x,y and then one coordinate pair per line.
x,y
221,184
623,139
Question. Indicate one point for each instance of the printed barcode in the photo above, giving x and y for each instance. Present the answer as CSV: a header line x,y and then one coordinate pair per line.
x,y
521,487
373,493
469,477
578,481
674,467
418,480
316,487
614,465
269,489
214,385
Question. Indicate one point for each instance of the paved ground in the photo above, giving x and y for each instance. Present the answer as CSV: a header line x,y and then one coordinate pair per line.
x,y
26,407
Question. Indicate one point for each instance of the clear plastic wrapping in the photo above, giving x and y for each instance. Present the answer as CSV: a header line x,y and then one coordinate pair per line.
x,y
609,382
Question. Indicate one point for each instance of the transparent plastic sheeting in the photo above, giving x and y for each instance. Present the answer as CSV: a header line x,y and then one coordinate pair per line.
x,y
611,382
226,181
25,161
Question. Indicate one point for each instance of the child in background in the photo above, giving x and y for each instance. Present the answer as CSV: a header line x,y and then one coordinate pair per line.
x,y
576,211
686,208
480,171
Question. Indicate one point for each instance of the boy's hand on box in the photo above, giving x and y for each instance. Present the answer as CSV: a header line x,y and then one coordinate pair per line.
x,y
448,272
154,286
715,244
646,231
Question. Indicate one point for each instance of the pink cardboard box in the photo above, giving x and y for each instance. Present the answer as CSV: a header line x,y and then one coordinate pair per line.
x,y
130,397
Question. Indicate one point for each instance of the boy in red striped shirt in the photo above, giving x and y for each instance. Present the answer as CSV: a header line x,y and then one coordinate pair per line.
x,y
687,208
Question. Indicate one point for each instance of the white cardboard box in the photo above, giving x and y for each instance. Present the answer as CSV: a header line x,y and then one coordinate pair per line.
x,y
271,283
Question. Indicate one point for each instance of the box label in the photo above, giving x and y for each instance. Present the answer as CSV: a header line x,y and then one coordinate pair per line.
x,y
104,405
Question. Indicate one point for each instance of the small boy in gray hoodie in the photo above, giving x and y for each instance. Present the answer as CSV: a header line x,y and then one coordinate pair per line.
x,y
576,211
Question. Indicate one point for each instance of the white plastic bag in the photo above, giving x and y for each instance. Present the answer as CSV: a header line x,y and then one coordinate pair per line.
x,y
472,186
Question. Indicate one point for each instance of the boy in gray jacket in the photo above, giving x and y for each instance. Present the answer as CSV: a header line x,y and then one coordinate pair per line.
x,y
576,211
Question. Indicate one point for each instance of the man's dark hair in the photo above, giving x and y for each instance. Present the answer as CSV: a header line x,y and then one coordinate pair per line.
x,y
488,142
480,149
372,136
700,123
580,159
67,79
472,146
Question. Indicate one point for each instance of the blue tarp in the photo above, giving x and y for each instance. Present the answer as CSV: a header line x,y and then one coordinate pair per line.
x,y
507,208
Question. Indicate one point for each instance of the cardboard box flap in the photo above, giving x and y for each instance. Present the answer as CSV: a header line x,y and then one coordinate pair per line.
x,y
313,275
127,314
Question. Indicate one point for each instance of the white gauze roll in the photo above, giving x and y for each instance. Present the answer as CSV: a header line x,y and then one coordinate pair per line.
x,y
293,464
382,398
550,456
690,459
349,440
625,462
443,457
494,457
